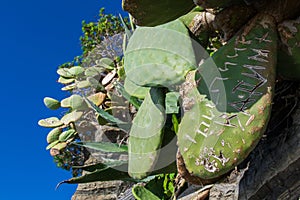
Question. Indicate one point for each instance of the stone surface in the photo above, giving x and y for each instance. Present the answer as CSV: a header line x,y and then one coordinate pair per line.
x,y
106,190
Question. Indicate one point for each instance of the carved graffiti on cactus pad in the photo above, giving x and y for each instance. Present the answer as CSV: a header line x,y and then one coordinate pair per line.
x,y
260,56
236,52
263,38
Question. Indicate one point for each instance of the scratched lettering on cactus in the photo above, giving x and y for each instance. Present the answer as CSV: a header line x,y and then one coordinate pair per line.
x,y
214,88
236,52
248,87
243,41
261,55
262,80
242,105
204,127
226,66
191,139
263,38
227,121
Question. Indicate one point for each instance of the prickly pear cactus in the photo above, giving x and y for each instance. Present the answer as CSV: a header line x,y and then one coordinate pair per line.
x,y
227,107
288,58
152,13
146,134
159,56
225,99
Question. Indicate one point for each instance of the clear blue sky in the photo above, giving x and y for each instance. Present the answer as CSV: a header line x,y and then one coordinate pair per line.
x,y
36,37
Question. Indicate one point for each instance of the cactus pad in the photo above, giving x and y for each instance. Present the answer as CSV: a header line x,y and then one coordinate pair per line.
x,y
152,13
63,80
51,103
60,146
227,101
75,101
71,117
135,90
97,98
52,144
51,122
159,56
66,135
146,135
53,135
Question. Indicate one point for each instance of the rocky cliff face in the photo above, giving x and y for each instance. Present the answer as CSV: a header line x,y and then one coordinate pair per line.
x,y
274,166
108,190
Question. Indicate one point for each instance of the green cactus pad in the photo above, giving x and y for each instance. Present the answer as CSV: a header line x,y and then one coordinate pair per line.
x,y
97,98
171,102
288,59
227,104
70,72
142,193
93,71
76,102
64,72
146,135
135,90
51,122
69,87
107,63
52,144
71,117
53,135
51,103
66,135
63,80
152,13
159,56
83,84
76,71
60,146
